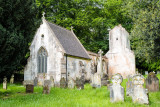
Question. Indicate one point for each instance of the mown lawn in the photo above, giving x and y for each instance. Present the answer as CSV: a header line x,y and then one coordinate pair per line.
x,y
15,96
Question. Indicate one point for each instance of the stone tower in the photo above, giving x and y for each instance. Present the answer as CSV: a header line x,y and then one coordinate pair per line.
x,y
121,58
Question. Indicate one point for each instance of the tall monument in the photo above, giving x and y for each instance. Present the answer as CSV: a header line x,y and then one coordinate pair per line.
x,y
121,58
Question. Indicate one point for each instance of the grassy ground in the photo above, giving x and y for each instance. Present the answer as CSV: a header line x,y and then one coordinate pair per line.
x,y
15,96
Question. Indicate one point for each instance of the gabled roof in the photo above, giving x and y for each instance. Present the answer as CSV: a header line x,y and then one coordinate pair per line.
x,y
69,41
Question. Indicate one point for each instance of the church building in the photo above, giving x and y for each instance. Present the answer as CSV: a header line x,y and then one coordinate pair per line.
x,y
57,52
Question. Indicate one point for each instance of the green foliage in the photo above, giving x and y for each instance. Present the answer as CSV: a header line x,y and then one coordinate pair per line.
x,y
145,32
90,19
17,26
58,97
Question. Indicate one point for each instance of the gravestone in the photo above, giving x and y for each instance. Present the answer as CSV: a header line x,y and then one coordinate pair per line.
x,y
12,79
35,81
63,83
152,82
116,90
129,86
139,92
79,83
96,81
5,83
52,81
146,72
46,87
104,80
71,83
29,88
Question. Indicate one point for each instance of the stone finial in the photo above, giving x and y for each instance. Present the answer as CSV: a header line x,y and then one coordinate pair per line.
x,y
43,15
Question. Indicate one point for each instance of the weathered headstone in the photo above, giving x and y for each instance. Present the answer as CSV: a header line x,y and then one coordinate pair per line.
x,y
71,83
146,72
46,87
52,81
152,82
12,79
139,92
5,83
29,88
79,83
129,86
116,90
96,81
63,83
104,80
35,81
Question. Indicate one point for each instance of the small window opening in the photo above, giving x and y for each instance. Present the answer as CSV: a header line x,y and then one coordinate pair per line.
x,y
42,35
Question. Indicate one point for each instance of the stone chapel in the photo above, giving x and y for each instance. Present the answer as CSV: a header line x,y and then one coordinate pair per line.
x,y
56,52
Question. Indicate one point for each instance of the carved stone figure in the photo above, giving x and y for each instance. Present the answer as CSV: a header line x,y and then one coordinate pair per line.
x,y
116,90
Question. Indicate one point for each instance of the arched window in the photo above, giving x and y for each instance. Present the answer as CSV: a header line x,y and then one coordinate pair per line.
x,y
42,61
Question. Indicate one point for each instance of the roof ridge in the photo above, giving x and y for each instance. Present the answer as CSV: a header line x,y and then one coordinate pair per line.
x,y
59,26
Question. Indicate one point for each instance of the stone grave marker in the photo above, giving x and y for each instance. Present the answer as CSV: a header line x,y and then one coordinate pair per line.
x,y
29,88
12,79
35,81
152,82
129,86
139,92
104,80
116,90
63,83
46,87
52,81
146,72
96,81
79,83
71,83
5,83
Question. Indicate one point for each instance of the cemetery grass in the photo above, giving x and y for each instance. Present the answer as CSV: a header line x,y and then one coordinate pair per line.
x,y
15,96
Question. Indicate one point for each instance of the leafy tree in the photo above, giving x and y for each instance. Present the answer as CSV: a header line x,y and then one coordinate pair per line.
x,y
146,32
17,26
90,19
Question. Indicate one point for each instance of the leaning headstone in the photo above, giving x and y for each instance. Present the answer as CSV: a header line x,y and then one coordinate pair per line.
x,y
116,90
71,83
35,81
139,92
63,83
5,83
129,86
12,79
96,81
146,72
46,87
52,81
152,82
29,88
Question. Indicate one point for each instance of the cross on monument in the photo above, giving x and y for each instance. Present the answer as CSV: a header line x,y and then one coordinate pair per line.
x,y
43,14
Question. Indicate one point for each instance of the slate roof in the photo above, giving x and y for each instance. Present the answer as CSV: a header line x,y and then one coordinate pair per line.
x,y
69,42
